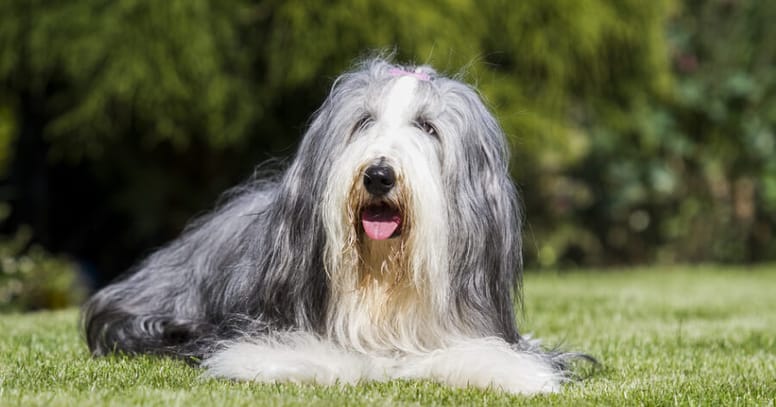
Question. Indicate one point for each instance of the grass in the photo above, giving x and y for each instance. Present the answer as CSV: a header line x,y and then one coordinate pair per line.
x,y
676,336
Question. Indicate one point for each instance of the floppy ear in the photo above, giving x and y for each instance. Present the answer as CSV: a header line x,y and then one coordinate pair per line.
x,y
292,284
292,287
485,219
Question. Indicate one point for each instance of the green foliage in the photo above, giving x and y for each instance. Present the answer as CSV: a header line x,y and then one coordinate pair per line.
x,y
687,175
725,111
31,278
7,135
699,336
641,131
159,71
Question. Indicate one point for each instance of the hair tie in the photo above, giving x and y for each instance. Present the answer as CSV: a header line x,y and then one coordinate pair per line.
x,y
417,75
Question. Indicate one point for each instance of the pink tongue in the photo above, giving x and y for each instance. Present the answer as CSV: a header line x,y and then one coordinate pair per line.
x,y
380,222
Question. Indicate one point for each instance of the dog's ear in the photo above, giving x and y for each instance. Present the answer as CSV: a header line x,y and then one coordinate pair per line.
x,y
485,217
295,273
294,283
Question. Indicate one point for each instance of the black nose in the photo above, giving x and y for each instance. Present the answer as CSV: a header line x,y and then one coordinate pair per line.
x,y
379,179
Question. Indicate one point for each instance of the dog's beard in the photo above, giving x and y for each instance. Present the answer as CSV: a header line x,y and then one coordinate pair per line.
x,y
382,297
381,228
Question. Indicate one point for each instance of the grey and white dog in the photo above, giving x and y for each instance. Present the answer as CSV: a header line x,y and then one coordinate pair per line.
x,y
389,248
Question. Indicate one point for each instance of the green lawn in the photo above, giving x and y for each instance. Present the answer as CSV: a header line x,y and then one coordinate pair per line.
x,y
685,336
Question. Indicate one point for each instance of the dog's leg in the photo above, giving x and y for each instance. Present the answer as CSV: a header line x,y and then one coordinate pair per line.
x,y
485,363
295,357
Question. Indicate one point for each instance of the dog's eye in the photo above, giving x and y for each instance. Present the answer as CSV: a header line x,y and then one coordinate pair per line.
x,y
426,126
362,123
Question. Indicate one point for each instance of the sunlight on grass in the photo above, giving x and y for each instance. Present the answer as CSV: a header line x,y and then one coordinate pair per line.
x,y
703,335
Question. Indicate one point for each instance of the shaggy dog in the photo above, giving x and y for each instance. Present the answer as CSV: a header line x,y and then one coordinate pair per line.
x,y
389,248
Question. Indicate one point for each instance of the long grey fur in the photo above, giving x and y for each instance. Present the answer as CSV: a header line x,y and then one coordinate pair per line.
x,y
256,263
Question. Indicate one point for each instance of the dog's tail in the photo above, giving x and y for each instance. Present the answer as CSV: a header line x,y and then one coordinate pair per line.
x,y
571,366
111,328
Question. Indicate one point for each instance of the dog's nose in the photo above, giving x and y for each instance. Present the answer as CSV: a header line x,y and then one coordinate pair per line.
x,y
379,179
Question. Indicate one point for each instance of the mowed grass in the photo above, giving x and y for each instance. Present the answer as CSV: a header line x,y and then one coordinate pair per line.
x,y
663,336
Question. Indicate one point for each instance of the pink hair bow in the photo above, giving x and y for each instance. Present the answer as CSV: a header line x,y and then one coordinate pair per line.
x,y
417,75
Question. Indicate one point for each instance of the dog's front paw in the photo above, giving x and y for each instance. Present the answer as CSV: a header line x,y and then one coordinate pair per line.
x,y
298,359
486,363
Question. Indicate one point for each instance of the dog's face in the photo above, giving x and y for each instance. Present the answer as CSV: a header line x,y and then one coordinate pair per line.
x,y
386,216
393,154
420,224
386,187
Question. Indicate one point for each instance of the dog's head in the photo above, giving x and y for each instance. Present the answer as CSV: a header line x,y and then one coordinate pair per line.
x,y
408,173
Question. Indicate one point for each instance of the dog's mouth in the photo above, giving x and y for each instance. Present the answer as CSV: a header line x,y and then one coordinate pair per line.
x,y
381,221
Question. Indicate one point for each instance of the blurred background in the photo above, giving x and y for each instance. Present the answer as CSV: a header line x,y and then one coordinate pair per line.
x,y
641,131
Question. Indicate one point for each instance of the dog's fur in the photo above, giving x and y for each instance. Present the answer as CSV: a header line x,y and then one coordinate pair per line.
x,y
282,283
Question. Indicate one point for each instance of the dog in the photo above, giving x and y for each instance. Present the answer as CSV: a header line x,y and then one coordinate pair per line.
x,y
390,247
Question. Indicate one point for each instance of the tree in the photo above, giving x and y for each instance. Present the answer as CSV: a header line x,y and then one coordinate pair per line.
x,y
132,115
